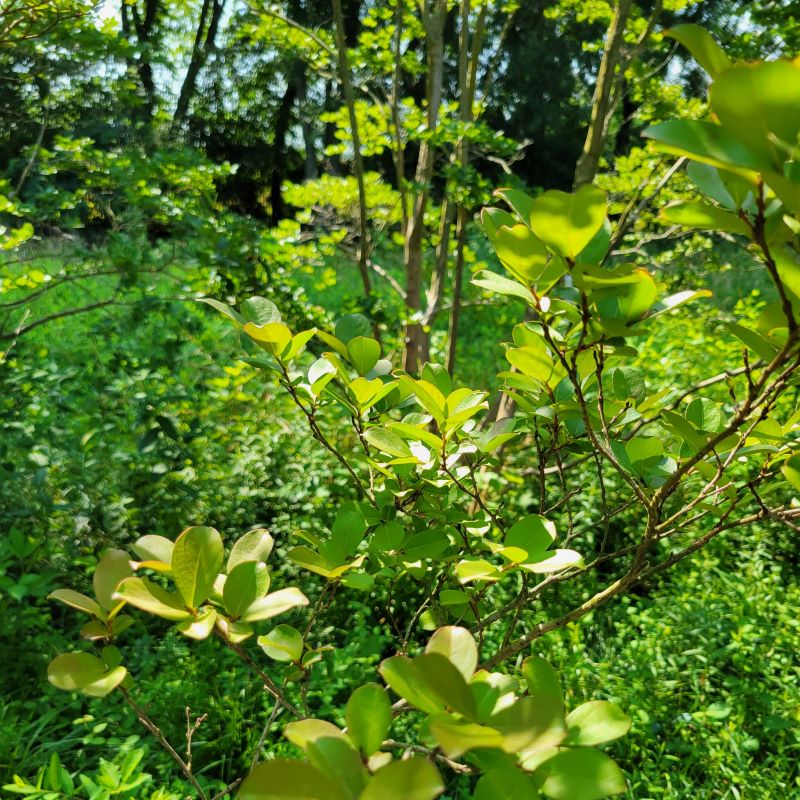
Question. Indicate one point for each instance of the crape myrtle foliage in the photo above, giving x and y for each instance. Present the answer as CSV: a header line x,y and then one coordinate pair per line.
x,y
515,733
425,454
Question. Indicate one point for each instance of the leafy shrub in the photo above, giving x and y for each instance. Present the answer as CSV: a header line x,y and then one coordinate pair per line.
x,y
432,539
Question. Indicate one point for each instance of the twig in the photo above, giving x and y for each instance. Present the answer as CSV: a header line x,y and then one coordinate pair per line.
x,y
162,740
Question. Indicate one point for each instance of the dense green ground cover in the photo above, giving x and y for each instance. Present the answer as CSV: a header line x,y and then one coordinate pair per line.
x,y
139,419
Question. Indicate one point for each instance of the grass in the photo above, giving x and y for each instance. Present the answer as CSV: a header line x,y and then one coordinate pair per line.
x,y
704,661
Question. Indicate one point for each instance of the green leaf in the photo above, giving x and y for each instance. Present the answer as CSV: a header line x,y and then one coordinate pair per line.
x,y
533,361
596,722
274,337
581,774
683,429
337,759
626,302
196,562
709,181
77,600
503,286
555,562
493,219
235,632
568,222
644,448
283,643
753,341
595,252
286,779
414,778
788,265
441,676
476,569
703,216
521,253
414,433
531,536
458,646
519,202
505,784
349,527
368,715
541,678
360,581
456,737
113,567
224,308
85,673
404,677
259,311
770,119
428,395
791,471
95,630
387,442
704,141
624,383
303,731
363,353
352,325
274,604
530,722
699,42
150,597
426,544
255,545
705,415
199,627
298,344
338,346
677,299
246,583
154,550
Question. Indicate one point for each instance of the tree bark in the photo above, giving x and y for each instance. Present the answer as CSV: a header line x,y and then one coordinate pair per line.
x,y
358,163
311,169
204,42
435,15
467,82
589,160
144,26
282,121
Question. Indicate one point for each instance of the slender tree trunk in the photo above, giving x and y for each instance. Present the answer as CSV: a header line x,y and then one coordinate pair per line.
x,y
144,25
333,162
436,288
589,160
282,120
358,163
467,82
311,169
394,101
435,15
204,42
458,283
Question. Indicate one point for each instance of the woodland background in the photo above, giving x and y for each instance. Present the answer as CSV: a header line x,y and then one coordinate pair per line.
x,y
159,151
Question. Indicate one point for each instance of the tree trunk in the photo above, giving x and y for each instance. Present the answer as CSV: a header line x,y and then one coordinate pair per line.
x,y
204,42
145,29
358,163
458,282
468,57
311,169
589,160
282,120
415,336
